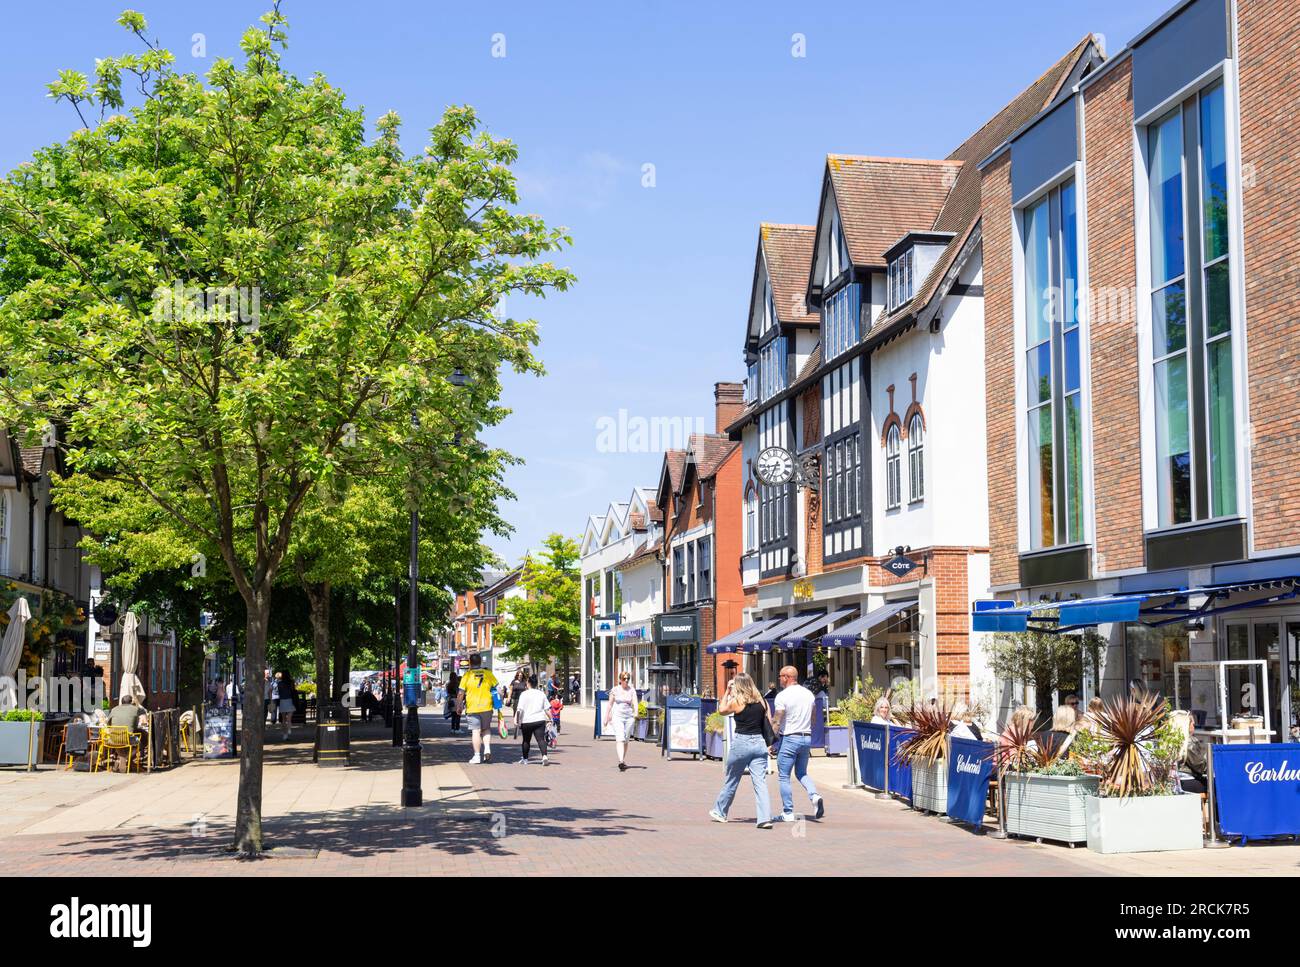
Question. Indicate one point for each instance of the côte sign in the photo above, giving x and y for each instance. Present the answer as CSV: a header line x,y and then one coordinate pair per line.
x,y
899,565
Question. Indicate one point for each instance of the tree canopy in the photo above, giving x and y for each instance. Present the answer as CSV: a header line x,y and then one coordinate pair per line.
x,y
546,623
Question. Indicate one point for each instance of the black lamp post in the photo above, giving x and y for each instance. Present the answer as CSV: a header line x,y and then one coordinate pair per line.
x,y
412,794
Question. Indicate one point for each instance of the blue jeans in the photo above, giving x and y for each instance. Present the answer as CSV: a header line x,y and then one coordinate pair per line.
x,y
793,757
748,754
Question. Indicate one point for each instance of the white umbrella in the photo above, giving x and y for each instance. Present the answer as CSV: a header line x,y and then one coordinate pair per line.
x,y
11,650
131,684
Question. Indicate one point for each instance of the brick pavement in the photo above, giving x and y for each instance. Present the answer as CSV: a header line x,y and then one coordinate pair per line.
x,y
578,816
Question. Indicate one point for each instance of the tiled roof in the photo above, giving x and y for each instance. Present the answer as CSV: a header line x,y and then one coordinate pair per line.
x,y
960,212
675,462
647,550
814,363
33,458
879,199
787,250
709,450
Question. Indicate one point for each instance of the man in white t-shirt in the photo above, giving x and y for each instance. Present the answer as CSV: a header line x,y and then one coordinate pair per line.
x,y
793,721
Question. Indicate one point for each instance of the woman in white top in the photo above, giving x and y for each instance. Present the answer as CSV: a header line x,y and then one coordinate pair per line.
x,y
621,709
882,714
532,712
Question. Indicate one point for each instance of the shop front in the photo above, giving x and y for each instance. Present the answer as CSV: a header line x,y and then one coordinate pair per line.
x,y
677,669
633,653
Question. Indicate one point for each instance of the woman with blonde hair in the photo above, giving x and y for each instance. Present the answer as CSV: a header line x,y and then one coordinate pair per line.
x,y
1090,721
1063,727
748,750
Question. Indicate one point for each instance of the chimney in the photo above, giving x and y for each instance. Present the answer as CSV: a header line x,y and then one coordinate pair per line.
x,y
728,404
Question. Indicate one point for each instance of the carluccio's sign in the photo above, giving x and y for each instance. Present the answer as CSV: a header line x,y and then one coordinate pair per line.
x,y
677,627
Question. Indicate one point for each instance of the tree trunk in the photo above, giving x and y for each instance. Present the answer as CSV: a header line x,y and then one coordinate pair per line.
x,y
342,668
318,595
248,810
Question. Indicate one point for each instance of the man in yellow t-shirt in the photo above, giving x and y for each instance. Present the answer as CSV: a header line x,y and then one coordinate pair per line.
x,y
475,698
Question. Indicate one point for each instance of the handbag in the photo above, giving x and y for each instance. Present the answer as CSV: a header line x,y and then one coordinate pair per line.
x,y
496,700
552,739
770,737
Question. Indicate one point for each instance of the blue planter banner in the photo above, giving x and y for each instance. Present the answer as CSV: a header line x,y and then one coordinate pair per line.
x,y
601,698
900,775
970,764
869,747
1257,789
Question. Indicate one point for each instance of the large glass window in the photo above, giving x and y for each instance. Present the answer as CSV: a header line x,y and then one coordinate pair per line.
x,y
842,483
772,367
900,280
773,518
840,315
1191,313
751,522
1152,653
1053,368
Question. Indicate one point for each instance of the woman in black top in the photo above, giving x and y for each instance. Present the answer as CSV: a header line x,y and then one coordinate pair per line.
x,y
748,750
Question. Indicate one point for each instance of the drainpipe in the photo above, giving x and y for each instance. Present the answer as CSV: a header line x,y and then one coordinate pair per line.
x,y
31,532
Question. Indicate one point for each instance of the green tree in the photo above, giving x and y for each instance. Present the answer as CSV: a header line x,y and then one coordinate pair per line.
x,y
228,298
547,622
1048,662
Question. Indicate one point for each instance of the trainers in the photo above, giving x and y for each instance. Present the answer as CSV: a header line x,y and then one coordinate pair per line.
x,y
716,816
487,755
820,805
475,760
766,825
522,762
787,818
544,762
622,767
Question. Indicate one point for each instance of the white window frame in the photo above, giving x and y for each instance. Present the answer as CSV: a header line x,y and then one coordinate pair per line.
x,y
893,468
915,459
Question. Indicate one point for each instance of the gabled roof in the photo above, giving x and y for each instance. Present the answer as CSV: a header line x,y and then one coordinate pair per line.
x,y
961,208
879,199
709,451
647,550
670,475
787,251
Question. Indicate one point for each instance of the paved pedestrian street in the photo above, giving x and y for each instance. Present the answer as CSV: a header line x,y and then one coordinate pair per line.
x,y
578,816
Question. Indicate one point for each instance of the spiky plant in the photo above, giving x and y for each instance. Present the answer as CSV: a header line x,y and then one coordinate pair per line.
x,y
1017,748
930,734
1128,724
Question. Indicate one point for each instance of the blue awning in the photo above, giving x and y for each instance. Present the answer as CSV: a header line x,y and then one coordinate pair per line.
x,y
847,636
733,641
1154,608
812,629
769,638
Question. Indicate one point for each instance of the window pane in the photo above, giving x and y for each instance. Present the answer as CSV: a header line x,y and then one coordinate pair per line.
x,y
1223,464
1073,468
1169,320
1218,312
1041,508
1214,174
1069,258
1165,146
1071,360
1038,375
1173,453
1038,325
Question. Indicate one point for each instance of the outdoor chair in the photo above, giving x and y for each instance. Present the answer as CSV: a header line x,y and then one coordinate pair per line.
x,y
76,742
117,738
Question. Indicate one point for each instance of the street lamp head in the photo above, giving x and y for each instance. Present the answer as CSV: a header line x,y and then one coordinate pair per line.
x,y
458,378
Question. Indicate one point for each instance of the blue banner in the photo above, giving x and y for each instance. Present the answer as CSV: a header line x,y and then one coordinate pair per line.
x,y
1257,789
869,747
601,698
900,774
970,764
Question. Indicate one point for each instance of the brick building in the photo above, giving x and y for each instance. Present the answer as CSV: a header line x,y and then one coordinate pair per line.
x,y
1140,238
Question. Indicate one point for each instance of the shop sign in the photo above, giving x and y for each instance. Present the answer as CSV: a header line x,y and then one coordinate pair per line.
x,y
970,764
605,626
1256,787
683,724
102,648
900,565
677,627
632,634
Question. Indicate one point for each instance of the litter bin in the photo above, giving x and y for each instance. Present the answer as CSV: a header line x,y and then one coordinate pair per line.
x,y
332,736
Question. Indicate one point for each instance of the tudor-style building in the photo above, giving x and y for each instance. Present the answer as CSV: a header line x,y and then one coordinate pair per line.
x,y
1141,234
883,410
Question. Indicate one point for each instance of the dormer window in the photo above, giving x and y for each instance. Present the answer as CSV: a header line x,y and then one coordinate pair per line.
x,y
840,317
900,279
769,307
837,255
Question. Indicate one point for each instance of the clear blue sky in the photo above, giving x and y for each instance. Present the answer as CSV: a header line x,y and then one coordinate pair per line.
x,y
736,128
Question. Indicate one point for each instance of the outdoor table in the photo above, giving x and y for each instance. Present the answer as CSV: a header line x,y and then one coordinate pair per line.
x,y
1237,736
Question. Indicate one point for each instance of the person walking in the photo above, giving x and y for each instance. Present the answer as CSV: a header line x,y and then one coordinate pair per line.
x,y
266,694
748,751
476,698
288,706
531,715
621,709
517,688
793,722
453,701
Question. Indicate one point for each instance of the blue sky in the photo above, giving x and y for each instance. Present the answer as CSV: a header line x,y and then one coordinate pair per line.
x,y
709,94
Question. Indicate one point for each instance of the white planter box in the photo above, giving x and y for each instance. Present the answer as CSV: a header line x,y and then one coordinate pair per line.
x,y
930,786
1048,807
14,739
1144,824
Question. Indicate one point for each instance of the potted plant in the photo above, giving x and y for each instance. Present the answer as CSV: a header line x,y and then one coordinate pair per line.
x,y
20,741
642,723
1138,807
924,751
1044,791
837,732
714,727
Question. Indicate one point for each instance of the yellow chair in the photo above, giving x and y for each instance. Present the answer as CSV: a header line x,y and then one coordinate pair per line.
x,y
117,738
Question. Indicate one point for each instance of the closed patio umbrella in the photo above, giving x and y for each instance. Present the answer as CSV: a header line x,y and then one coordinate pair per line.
x,y
131,684
11,650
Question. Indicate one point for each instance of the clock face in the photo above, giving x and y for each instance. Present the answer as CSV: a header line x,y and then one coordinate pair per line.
x,y
775,466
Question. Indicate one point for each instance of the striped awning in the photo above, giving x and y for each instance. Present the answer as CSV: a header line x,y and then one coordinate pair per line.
x,y
847,637
814,628
737,638
771,637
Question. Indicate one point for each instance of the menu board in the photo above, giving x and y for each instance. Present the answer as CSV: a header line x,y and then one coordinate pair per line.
x,y
218,733
682,724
